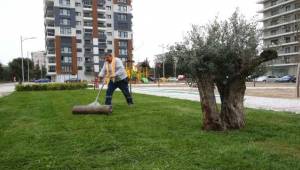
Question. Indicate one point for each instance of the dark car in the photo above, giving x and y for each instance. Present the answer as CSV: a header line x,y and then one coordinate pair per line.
x,y
73,80
286,79
42,81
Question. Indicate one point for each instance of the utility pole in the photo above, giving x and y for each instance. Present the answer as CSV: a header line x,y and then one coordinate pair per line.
x,y
28,70
22,40
298,81
163,58
22,59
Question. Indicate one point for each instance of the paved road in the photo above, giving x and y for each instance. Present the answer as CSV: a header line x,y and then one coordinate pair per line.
x,y
276,104
6,89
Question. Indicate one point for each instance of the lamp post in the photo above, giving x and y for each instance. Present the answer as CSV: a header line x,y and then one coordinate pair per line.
x,y
163,56
22,40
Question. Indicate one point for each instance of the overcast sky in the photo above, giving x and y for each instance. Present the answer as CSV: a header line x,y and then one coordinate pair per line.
x,y
155,22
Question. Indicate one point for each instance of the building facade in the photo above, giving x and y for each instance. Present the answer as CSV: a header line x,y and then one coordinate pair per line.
x,y
39,58
281,28
79,32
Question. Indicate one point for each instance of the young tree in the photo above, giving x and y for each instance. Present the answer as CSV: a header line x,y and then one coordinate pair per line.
x,y
223,53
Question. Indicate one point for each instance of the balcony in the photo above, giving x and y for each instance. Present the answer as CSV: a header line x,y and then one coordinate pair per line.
x,y
276,5
280,14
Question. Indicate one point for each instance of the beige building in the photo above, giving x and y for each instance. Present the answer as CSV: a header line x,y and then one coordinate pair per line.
x,y
281,28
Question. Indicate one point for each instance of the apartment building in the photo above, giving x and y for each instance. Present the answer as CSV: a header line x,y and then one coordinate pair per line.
x,y
39,58
79,32
281,27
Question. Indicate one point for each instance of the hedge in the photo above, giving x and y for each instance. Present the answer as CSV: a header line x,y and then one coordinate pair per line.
x,y
51,86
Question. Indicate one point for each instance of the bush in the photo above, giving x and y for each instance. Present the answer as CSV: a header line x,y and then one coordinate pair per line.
x,y
51,86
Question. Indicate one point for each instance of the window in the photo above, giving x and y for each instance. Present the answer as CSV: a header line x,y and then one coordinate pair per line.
x,y
79,50
108,25
274,42
66,50
109,33
79,68
122,8
274,2
52,69
64,2
123,51
123,43
78,23
78,13
78,4
66,59
109,50
66,69
109,42
108,16
78,31
64,12
287,39
64,21
65,31
123,34
51,60
108,8
288,8
78,41
122,1
79,59
122,17
273,32
274,12
287,28
287,49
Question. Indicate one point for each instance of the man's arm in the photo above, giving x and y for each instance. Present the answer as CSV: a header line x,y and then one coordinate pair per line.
x,y
103,71
119,68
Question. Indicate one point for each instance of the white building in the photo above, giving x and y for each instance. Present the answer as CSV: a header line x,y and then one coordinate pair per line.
x,y
39,58
79,33
281,20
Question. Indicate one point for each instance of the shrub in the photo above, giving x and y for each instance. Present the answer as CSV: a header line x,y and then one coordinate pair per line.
x,y
51,86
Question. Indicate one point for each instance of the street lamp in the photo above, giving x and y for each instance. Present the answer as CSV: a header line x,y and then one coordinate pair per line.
x,y
163,56
22,40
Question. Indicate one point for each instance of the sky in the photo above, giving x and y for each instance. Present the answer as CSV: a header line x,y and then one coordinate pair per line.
x,y
155,23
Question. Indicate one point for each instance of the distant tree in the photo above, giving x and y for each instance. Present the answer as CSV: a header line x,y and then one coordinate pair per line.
x,y
16,68
169,64
223,53
38,73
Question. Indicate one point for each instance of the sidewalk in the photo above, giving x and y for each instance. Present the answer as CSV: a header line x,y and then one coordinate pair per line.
x,y
276,104
6,89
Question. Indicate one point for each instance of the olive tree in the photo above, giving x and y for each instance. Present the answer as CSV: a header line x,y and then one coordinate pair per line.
x,y
222,54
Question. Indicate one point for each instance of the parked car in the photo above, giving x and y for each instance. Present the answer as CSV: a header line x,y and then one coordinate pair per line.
x,y
266,79
42,81
172,79
286,79
74,80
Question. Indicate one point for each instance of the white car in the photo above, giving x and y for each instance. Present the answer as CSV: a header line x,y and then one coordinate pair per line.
x,y
266,79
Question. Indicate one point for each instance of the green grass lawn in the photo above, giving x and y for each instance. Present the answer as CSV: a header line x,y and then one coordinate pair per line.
x,y
38,131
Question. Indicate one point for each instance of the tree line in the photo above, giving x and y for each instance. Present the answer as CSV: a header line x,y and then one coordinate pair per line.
x,y
13,72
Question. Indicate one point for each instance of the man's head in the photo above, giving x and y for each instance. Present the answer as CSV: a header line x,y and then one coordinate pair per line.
x,y
108,57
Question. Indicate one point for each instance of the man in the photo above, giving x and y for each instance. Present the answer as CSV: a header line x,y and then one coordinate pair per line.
x,y
113,69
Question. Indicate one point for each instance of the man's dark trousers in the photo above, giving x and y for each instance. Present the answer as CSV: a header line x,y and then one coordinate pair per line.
x,y
123,86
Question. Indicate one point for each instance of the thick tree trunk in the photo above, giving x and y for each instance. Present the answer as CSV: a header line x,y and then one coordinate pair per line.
x,y
211,116
232,107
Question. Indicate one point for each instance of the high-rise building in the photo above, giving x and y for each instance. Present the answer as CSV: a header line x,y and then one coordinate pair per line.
x,y
281,20
79,33
39,58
